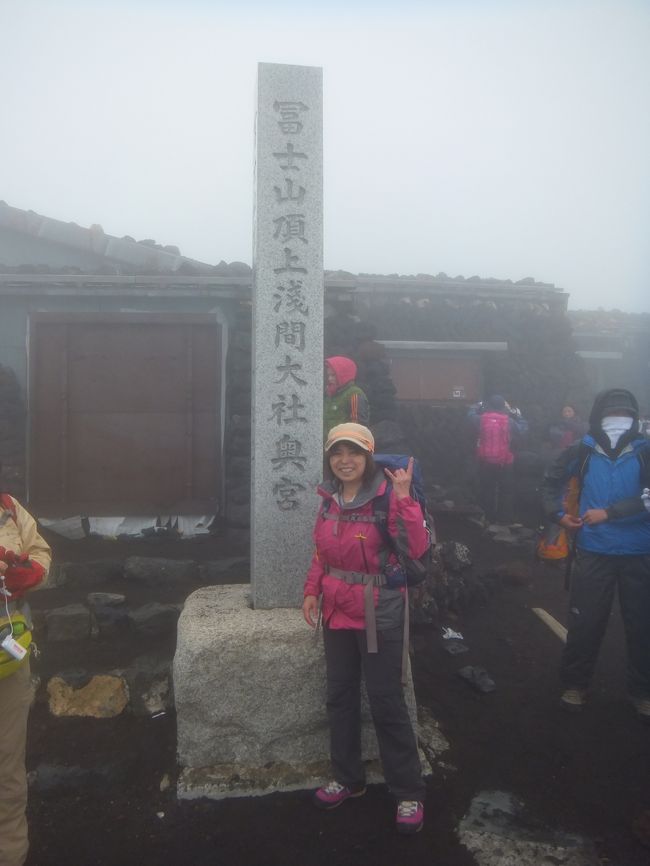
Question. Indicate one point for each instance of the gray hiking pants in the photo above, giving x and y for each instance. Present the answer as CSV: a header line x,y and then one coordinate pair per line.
x,y
346,656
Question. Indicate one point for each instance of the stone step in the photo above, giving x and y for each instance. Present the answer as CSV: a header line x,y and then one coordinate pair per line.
x,y
149,572
104,615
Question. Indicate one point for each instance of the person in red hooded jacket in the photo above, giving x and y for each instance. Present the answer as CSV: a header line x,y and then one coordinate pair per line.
x,y
24,562
344,399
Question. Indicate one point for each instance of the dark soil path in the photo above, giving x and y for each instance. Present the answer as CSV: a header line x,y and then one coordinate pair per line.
x,y
587,774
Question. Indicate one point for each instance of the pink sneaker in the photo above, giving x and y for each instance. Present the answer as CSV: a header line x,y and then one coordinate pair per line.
x,y
333,794
410,816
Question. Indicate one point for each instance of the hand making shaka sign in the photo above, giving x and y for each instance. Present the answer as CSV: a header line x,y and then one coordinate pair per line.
x,y
401,480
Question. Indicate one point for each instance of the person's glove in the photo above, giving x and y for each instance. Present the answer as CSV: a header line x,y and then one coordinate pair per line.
x,y
12,558
22,573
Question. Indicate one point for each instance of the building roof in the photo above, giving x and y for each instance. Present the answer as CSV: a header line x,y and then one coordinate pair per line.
x,y
124,260
608,322
121,255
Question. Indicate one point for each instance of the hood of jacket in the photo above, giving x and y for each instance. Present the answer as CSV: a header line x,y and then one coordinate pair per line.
x,y
345,371
374,487
496,403
611,402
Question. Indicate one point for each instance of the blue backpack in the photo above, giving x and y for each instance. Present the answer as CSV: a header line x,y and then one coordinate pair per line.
x,y
415,570
401,461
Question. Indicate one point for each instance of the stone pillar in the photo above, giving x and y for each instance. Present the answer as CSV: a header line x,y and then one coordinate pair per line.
x,y
287,330
249,684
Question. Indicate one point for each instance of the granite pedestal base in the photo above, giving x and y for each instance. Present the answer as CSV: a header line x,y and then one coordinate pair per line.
x,y
250,699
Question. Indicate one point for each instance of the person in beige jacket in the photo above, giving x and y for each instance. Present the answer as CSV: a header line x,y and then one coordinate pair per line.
x,y
24,562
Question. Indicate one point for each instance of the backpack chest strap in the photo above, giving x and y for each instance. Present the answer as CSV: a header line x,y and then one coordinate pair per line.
x,y
351,518
357,577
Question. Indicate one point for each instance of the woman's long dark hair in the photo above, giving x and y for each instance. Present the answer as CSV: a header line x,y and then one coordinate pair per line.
x,y
368,472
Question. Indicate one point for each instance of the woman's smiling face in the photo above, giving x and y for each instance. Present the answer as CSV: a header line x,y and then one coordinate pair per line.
x,y
347,462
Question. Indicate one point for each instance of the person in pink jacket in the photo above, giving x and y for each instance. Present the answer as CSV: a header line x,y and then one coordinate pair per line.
x,y
362,590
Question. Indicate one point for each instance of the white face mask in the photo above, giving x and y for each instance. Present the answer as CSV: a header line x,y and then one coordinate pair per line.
x,y
615,426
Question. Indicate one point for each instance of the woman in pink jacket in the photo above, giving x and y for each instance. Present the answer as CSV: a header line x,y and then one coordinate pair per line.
x,y
363,588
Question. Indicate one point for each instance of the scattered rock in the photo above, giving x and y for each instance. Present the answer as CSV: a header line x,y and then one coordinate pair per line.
x,y
102,698
150,685
84,574
47,778
157,699
154,618
237,566
514,573
476,520
109,621
156,572
71,622
455,647
497,832
478,678
76,678
455,556
55,576
105,599
430,738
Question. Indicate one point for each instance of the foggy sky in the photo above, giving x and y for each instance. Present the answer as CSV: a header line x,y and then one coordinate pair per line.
x,y
499,139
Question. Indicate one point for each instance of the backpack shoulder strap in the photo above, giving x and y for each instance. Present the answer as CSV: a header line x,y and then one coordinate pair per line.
x,y
644,459
380,507
584,453
583,456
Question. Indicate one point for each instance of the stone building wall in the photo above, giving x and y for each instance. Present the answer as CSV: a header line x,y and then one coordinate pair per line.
x,y
12,434
237,439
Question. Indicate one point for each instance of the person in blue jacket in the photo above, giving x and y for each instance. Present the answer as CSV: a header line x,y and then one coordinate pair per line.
x,y
612,544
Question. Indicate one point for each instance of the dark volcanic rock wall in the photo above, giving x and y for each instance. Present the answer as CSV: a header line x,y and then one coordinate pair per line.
x,y
12,434
538,373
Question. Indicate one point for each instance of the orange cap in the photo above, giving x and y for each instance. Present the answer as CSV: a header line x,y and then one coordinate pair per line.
x,y
351,432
